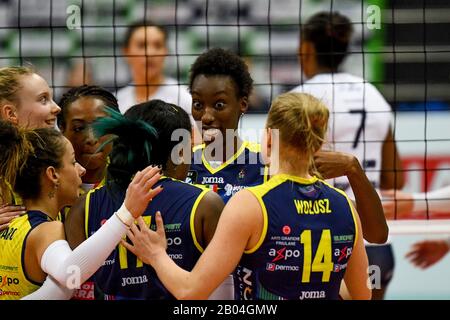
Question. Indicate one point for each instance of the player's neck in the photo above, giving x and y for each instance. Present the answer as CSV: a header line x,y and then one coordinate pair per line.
x,y
289,164
45,204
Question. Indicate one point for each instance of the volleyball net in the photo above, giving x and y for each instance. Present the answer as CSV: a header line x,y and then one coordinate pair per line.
x,y
402,47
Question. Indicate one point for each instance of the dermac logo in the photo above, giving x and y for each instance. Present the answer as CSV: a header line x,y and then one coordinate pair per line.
x,y
212,180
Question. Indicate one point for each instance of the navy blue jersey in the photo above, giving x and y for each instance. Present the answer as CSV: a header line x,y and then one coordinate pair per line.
x,y
242,170
122,275
308,237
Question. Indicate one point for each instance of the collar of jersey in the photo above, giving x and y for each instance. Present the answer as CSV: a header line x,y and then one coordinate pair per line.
x,y
226,163
284,177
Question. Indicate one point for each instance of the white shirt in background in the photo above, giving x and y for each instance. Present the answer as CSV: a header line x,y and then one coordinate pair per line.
x,y
354,104
170,92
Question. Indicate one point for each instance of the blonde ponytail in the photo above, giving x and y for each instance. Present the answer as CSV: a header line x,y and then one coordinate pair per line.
x,y
302,121
15,147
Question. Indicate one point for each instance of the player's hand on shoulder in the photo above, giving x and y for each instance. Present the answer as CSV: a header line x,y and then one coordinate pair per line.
x,y
140,192
8,212
146,243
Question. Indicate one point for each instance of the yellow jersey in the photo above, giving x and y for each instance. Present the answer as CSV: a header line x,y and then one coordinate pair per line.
x,y
14,282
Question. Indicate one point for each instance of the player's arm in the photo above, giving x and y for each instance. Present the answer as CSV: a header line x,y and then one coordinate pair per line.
x,y
403,205
334,164
206,219
391,168
207,216
356,276
239,227
48,249
74,225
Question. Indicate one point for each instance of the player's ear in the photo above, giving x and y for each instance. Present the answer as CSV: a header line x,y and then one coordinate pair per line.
x,y
8,112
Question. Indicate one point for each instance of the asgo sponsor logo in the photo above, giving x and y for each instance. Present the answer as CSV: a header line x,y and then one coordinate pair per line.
x,y
343,253
8,281
283,254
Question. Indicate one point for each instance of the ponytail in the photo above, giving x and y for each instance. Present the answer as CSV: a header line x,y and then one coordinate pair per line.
x,y
14,150
302,121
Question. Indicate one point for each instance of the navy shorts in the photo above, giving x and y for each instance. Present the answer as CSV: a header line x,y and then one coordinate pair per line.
x,y
383,257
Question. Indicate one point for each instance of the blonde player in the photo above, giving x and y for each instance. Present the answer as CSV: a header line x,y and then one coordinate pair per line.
x,y
284,233
359,123
26,100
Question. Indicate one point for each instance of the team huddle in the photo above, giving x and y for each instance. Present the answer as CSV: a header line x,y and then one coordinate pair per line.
x,y
100,201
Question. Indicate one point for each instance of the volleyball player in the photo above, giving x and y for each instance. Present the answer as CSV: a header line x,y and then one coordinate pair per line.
x,y
40,165
80,107
360,125
293,237
26,101
220,85
191,212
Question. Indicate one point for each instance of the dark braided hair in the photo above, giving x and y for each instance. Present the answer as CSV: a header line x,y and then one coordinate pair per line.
x,y
84,91
221,62
142,137
330,33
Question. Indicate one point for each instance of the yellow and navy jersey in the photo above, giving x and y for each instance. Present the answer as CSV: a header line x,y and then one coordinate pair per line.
x,y
243,169
122,275
308,237
14,282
